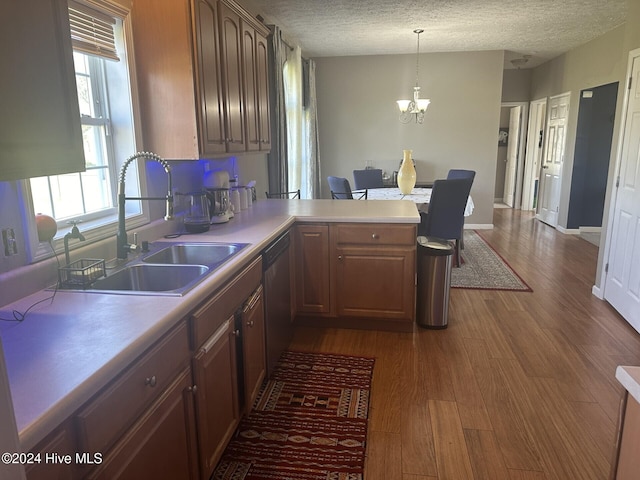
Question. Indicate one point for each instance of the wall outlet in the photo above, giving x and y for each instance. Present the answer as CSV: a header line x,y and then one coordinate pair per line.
x,y
9,242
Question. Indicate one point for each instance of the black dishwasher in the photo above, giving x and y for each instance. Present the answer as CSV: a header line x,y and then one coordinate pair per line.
x,y
277,298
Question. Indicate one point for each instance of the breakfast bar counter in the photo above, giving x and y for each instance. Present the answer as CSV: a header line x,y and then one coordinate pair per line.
x,y
69,347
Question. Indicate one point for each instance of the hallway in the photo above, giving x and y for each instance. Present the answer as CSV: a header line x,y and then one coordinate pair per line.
x,y
519,386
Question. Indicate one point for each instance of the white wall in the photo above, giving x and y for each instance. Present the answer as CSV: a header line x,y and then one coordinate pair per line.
x,y
358,117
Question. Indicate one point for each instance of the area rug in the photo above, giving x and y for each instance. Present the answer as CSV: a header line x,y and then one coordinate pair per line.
x,y
308,423
482,268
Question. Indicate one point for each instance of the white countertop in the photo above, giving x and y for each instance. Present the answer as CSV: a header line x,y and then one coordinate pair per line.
x,y
67,349
629,377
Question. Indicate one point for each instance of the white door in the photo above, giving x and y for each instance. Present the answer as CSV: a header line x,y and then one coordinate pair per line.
x,y
551,175
622,285
513,147
534,153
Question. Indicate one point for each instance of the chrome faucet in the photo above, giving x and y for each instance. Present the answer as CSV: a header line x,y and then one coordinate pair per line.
x,y
74,233
124,247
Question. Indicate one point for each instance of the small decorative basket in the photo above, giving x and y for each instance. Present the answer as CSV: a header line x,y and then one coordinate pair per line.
x,y
81,273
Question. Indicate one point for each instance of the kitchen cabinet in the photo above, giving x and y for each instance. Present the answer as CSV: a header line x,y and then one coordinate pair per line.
x,y
60,442
626,462
375,271
161,444
215,363
189,61
256,89
217,408
254,363
143,420
312,271
40,132
363,275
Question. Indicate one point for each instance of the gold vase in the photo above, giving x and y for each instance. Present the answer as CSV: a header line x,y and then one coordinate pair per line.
x,y
406,174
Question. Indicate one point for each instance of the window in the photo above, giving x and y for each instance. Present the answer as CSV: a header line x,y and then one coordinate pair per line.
x,y
88,194
105,101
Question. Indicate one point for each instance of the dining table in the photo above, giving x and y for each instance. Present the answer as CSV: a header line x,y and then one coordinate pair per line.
x,y
420,196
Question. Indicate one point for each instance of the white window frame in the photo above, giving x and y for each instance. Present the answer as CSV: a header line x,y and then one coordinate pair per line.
x,y
106,226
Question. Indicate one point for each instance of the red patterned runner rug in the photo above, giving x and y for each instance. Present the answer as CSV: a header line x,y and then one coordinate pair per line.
x,y
308,423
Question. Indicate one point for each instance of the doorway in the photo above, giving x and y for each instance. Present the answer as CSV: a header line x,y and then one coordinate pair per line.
x,y
510,158
594,135
533,158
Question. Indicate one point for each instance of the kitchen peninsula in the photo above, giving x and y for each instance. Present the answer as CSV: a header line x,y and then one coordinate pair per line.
x,y
67,352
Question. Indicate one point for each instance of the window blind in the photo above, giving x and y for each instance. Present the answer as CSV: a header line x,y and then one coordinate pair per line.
x,y
92,31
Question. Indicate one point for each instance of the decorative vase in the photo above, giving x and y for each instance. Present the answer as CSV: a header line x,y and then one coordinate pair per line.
x,y
406,174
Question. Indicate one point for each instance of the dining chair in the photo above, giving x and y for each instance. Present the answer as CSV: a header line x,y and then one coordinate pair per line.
x,y
286,195
463,174
368,178
341,189
455,173
445,216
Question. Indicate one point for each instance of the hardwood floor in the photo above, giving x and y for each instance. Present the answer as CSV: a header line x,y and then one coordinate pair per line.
x,y
520,386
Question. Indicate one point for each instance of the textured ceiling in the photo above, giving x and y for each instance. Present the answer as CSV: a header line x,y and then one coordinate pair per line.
x,y
543,29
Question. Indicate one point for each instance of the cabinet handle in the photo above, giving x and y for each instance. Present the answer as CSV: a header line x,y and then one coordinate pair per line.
x,y
375,236
339,257
236,333
250,323
193,389
151,381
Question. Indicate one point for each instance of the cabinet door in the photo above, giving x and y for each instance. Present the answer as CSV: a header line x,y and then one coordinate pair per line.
x,y
216,396
40,131
58,443
313,293
262,80
210,104
231,57
161,444
375,282
250,87
253,347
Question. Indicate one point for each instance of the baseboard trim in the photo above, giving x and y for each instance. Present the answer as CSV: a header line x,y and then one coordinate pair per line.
x,y
478,226
568,231
590,229
597,292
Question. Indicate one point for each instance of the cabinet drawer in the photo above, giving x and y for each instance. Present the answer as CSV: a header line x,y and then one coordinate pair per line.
x,y
208,318
375,234
106,417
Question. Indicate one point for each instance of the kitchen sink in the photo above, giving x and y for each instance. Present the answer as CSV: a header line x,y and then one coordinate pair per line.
x,y
169,269
209,254
147,278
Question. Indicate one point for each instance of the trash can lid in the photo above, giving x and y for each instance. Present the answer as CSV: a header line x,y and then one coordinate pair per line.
x,y
436,246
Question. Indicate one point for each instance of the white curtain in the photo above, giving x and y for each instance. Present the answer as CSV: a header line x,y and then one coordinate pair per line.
x,y
293,104
310,184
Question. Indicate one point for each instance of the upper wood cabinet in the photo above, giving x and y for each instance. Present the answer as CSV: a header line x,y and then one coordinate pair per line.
x,y
192,77
256,89
40,131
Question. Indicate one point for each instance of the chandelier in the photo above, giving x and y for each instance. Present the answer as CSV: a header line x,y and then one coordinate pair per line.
x,y
414,109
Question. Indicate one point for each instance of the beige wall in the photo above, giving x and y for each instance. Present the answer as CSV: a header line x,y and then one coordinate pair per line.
x,y
516,85
599,62
358,117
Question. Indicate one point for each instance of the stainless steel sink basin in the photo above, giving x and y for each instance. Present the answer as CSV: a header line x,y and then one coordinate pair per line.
x,y
147,278
209,254
170,269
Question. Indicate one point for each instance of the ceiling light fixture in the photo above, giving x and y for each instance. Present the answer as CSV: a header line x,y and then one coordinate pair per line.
x,y
414,109
520,62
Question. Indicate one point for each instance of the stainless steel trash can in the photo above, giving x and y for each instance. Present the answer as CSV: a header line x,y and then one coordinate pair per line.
x,y
434,282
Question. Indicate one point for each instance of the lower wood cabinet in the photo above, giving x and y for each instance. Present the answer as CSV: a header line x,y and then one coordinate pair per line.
x,y
626,464
313,272
171,413
254,364
217,409
162,442
363,275
60,442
